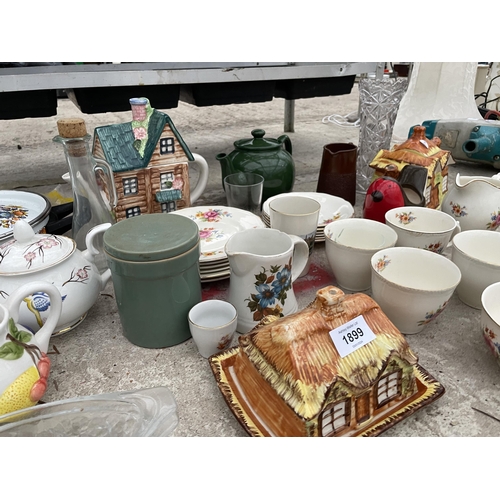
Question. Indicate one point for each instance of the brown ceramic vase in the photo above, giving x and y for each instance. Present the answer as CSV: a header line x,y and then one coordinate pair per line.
x,y
337,175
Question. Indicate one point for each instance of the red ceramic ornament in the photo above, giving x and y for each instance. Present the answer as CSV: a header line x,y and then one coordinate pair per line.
x,y
382,195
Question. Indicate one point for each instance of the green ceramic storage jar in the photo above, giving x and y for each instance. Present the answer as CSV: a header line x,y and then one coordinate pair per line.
x,y
153,260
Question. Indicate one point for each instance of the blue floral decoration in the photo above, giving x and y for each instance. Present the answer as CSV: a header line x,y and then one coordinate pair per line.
x,y
41,301
283,280
266,295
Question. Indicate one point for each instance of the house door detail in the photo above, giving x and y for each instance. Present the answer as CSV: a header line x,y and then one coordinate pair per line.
x,y
169,206
363,408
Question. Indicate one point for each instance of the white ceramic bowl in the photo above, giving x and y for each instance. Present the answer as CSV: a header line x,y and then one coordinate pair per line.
x,y
490,318
349,246
412,285
422,227
477,253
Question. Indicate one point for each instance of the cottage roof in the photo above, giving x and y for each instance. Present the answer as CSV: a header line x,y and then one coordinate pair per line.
x,y
117,142
416,150
299,359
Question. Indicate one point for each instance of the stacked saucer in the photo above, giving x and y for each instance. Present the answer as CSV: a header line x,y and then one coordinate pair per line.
x,y
332,208
217,224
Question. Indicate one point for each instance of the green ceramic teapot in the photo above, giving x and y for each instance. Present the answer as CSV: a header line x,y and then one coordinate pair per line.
x,y
271,158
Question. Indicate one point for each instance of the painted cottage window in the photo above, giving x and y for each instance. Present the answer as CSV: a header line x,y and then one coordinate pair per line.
x,y
168,207
167,145
427,195
132,212
444,184
166,180
388,387
336,417
130,186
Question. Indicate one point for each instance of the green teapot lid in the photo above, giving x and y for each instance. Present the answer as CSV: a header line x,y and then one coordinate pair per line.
x,y
258,143
151,237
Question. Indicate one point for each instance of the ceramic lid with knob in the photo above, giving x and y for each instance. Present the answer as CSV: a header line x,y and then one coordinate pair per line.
x,y
258,142
29,252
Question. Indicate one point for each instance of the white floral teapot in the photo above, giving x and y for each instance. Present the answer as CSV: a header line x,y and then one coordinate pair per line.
x,y
474,201
24,364
56,260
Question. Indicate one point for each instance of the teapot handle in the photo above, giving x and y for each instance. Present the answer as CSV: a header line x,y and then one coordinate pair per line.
x,y
202,165
13,303
286,141
92,250
105,168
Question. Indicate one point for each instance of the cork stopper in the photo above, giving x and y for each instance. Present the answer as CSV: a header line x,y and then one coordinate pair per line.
x,y
71,128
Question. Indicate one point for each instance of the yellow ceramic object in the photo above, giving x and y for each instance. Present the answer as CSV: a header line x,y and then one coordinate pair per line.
x,y
24,364
17,395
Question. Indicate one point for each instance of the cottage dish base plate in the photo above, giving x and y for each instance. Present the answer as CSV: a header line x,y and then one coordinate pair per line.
x,y
249,404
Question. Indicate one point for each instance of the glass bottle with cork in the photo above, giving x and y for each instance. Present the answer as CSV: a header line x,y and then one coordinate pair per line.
x,y
90,206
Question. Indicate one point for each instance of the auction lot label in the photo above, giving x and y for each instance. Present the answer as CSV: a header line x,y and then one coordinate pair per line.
x,y
351,336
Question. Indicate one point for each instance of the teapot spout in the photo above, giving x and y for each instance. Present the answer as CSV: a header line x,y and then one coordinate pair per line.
x,y
225,164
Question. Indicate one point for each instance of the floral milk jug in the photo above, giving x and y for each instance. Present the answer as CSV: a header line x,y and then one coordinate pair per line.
x,y
264,264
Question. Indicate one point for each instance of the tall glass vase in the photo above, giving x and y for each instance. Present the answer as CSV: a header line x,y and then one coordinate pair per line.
x,y
379,101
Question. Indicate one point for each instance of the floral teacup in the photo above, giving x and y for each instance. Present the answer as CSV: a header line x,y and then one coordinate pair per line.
x,y
490,318
422,227
412,285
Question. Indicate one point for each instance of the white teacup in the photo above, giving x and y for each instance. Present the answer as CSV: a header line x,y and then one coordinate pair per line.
x,y
490,318
477,253
412,285
212,324
297,215
349,246
422,227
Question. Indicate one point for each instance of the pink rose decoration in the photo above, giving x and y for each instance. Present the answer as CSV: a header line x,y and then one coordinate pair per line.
x,y
211,215
205,233
140,133
177,184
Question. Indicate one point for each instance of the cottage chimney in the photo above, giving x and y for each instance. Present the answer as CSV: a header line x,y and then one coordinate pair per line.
x,y
138,105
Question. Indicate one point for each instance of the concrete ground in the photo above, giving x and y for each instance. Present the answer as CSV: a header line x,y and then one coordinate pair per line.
x,y
96,358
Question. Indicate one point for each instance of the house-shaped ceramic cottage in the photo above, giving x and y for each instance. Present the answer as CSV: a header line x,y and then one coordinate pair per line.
x,y
420,152
287,378
148,160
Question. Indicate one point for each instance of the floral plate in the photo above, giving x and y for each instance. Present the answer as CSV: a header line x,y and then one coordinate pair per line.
x,y
34,208
217,224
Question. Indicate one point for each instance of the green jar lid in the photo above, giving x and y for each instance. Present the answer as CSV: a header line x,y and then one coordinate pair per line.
x,y
151,237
